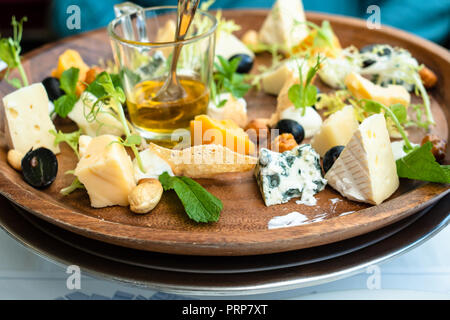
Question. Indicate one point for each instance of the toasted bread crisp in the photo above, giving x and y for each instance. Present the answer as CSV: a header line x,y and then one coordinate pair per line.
x,y
203,161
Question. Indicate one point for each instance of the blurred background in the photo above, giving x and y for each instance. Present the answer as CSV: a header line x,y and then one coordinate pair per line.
x,y
429,19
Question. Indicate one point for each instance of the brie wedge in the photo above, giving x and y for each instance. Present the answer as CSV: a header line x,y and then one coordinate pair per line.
x,y
366,171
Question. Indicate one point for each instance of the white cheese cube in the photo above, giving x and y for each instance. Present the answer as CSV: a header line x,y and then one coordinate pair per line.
x,y
337,130
153,165
234,109
273,81
106,171
228,45
311,121
104,122
27,122
366,171
287,175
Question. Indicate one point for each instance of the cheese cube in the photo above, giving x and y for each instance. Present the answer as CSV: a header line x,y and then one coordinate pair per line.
x,y
337,130
273,81
366,171
107,172
280,27
104,123
363,88
27,122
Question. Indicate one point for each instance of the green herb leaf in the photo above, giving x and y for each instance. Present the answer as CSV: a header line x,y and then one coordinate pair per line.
x,y
76,184
10,53
70,138
400,112
200,205
420,164
65,104
69,80
227,80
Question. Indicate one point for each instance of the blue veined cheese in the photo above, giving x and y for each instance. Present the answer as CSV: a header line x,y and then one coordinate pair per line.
x,y
291,174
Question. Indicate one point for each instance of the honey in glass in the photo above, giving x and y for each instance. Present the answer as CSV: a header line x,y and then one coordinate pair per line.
x,y
165,117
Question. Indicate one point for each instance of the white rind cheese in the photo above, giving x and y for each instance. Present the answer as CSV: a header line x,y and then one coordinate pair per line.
x,y
366,171
106,171
291,174
285,24
26,119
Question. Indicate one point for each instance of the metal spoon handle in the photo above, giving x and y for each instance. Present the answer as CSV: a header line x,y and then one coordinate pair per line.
x,y
186,13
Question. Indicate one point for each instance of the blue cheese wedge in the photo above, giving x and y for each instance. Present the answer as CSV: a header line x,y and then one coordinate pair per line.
x,y
291,174
366,171
26,119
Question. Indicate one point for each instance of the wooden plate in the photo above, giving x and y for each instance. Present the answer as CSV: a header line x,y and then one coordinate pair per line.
x,y
242,228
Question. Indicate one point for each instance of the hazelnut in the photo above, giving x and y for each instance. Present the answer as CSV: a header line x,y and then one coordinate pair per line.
x,y
258,130
145,196
14,159
429,78
284,142
250,38
439,146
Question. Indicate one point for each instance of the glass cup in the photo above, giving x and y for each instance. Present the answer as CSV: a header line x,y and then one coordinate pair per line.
x,y
142,41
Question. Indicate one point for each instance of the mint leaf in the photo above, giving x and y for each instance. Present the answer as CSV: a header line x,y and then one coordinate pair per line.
x,y
310,95
68,80
420,164
199,204
400,112
295,95
65,104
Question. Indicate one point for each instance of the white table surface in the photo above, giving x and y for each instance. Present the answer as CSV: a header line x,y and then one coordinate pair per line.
x,y
422,273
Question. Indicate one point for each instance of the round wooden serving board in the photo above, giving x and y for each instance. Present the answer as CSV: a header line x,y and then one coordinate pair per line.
x,y
242,228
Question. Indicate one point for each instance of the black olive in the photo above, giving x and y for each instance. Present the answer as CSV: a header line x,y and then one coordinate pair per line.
x,y
331,156
246,63
367,63
39,167
292,127
51,85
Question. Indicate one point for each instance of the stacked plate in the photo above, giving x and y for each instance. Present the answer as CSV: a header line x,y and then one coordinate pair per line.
x,y
224,275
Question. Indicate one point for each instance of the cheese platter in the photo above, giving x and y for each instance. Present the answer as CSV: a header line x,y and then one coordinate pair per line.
x,y
346,145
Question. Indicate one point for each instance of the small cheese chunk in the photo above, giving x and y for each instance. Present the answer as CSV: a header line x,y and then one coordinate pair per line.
x,y
336,130
83,144
285,25
273,81
287,175
153,165
363,88
27,122
104,123
311,121
228,45
106,171
366,171
234,109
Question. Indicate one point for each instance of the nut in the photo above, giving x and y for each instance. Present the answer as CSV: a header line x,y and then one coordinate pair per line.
x,y
439,146
284,142
92,74
250,38
257,130
14,158
428,77
145,196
